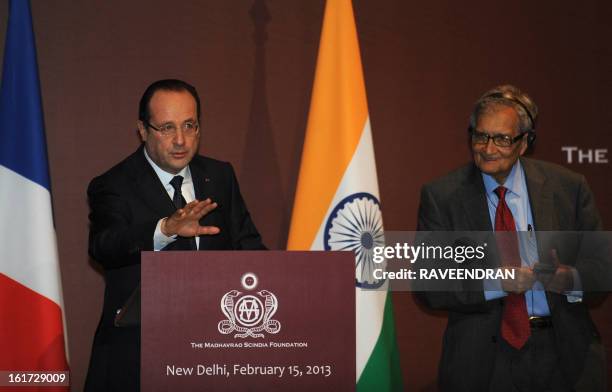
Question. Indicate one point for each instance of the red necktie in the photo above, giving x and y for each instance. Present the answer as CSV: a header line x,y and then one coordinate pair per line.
x,y
515,321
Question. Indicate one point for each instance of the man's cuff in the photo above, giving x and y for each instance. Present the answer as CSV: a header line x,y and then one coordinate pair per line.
x,y
493,289
576,294
160,240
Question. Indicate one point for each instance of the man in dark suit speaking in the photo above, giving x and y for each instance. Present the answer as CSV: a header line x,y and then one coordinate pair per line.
x,y
162,197
532,333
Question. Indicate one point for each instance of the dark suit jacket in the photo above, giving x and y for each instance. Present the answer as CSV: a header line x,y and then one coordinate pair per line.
x,y
560,201
126,203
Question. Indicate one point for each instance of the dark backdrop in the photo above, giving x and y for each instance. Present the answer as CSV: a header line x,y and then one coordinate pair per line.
x,y
253,61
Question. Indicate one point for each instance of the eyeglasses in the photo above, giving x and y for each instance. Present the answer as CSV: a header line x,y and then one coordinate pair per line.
x,y
498,140
189,128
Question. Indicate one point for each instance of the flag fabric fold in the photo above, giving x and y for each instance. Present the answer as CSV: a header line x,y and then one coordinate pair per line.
x,y
337,203
31,306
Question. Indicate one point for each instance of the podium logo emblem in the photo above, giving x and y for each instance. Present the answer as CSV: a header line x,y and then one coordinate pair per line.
x,y
248,315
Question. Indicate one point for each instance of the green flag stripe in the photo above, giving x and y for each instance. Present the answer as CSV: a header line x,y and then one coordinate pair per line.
x,y
382,372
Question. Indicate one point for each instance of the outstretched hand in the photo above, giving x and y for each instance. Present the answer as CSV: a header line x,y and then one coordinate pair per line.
x,y
185,221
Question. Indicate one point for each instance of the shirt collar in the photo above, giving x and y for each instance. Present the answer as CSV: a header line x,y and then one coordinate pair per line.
x,y
512,182
166,177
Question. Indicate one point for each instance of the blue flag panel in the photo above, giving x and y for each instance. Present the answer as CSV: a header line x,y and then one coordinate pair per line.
x,y
22,138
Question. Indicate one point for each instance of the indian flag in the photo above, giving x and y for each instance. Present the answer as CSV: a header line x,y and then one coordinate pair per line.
x,y
337,204
32,334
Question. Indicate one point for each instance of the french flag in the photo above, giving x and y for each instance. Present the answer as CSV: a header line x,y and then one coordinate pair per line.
x,y
32,333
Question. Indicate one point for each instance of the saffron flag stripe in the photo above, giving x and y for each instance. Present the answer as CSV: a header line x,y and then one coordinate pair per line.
x,y
332,85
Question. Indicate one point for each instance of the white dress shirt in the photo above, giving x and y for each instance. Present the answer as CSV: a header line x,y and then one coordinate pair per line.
x,y
160,240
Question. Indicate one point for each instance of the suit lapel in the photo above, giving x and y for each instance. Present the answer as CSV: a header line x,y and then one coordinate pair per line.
x,y
542,206
474,202
202,184
148,186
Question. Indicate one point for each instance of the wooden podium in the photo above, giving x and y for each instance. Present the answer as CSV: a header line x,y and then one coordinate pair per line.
x,y
248,321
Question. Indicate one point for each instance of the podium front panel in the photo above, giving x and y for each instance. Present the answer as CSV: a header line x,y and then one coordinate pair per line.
x,y
248,321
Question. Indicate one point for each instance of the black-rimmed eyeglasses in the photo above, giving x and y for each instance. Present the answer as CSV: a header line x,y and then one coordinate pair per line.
x,y
499,140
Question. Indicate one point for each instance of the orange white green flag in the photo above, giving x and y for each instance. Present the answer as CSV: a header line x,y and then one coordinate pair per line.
x,y
337,203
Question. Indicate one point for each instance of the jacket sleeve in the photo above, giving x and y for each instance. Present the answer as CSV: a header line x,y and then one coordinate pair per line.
x,y
593,259
115,238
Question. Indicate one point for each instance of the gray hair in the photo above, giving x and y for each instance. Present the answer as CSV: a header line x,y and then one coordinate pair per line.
x,y
509,96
